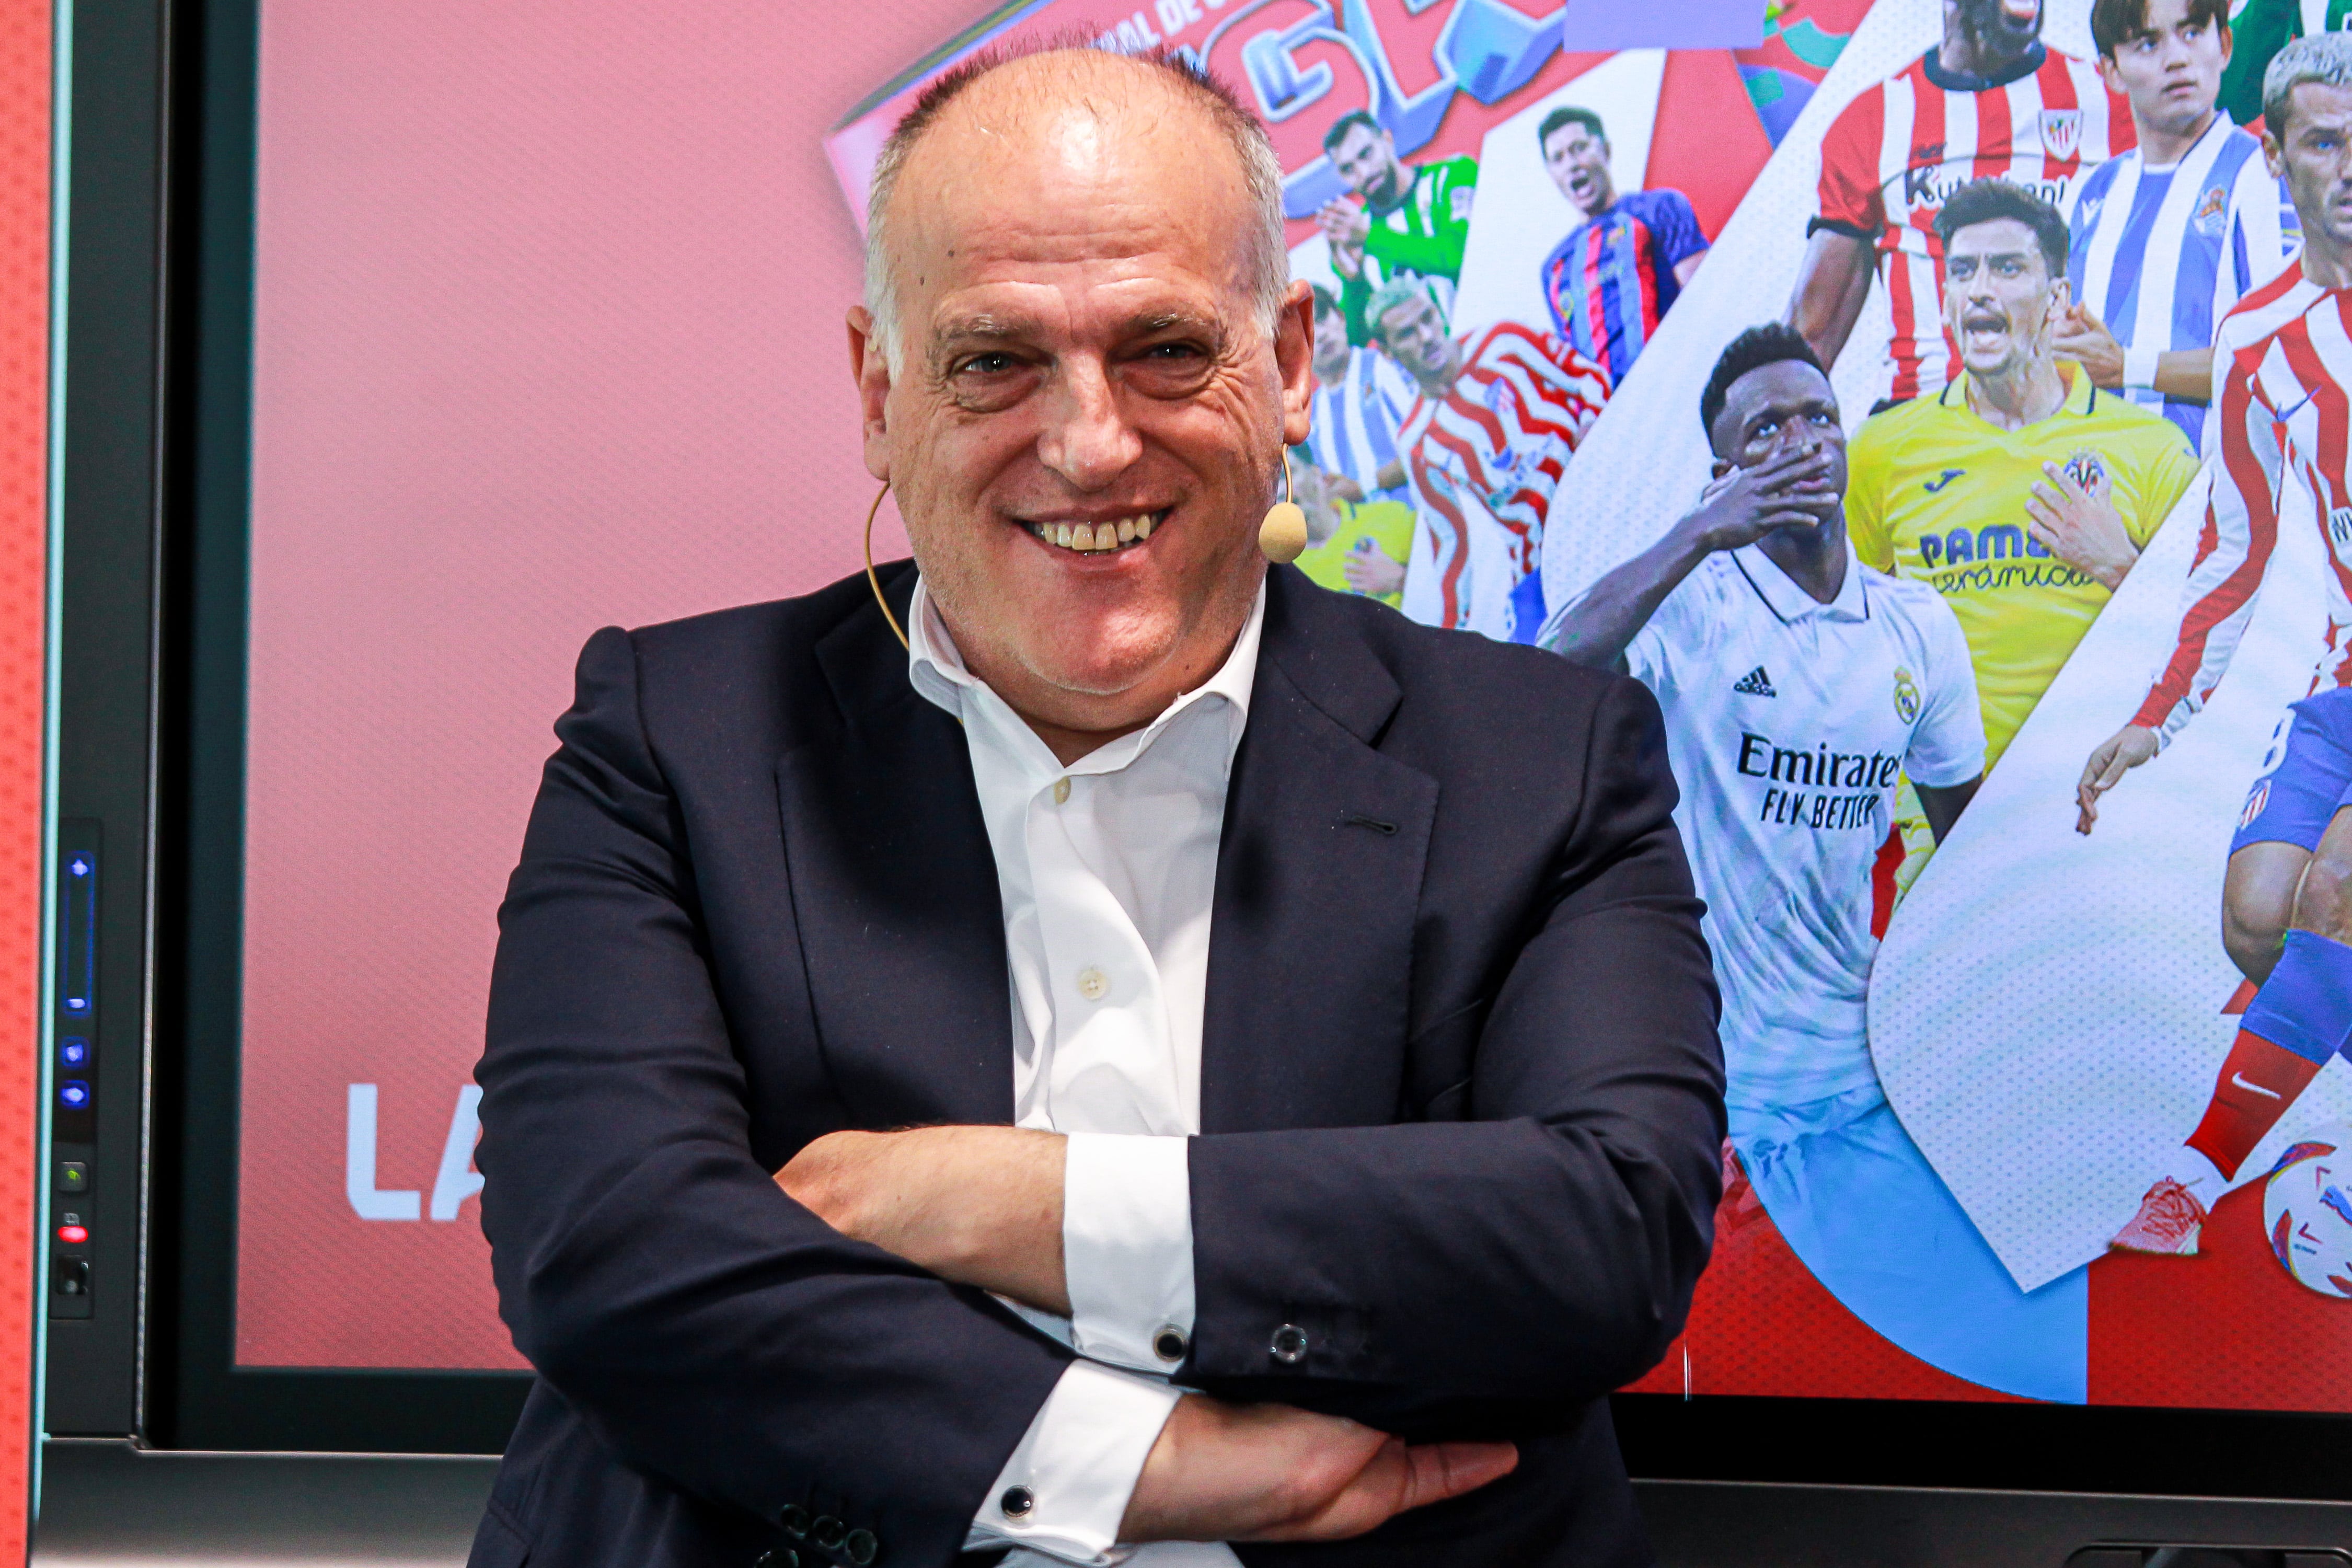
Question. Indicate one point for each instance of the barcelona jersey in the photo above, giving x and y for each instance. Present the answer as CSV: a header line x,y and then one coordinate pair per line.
x,y
1613,278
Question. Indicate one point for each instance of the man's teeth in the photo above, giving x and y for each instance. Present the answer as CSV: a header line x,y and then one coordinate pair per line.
x,y
1095,536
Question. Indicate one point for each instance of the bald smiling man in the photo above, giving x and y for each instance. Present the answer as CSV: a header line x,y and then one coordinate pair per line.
x,y
1168,1066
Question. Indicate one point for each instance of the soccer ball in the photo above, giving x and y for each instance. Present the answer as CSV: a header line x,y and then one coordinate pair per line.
x,y
2307,1210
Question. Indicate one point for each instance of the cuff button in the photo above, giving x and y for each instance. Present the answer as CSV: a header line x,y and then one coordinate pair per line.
x,y
1017,1502
1289,1346
795,1521
828,1532
1170,1344
780,1557
860,1547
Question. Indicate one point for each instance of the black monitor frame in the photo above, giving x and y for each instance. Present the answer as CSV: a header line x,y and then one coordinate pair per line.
x,y
152,648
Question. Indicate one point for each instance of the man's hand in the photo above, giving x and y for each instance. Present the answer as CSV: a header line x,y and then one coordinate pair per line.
x,y
2085,339
2081,527
2116,755
1370,572
1345,223
1789,489
1272,1472
978,1205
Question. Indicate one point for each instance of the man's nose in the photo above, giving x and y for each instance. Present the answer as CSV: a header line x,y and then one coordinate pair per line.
x,y
1087,439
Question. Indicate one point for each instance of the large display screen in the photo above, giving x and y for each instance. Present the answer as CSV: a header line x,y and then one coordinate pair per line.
x,y
2032,1093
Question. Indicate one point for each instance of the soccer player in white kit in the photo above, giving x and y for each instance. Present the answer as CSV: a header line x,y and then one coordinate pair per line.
x,y
1798,685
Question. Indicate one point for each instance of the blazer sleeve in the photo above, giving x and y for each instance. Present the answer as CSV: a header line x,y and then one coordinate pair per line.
x,y
1546,1248
713,1333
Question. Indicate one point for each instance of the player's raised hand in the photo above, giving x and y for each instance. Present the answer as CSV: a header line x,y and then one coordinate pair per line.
x,y
2113,757
2079,525
1344,222
2083,337
1791,489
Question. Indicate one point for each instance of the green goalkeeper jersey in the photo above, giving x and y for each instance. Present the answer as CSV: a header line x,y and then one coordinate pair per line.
x,y
2260,31
1421,235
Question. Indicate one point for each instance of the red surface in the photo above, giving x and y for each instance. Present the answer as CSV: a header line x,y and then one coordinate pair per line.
x,y
24,532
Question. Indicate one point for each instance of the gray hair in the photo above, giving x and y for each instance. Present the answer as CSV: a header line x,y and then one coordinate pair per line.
x,y
1394,292
1261,174
2323,58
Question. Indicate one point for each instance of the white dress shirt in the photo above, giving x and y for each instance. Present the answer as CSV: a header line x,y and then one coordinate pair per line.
x,y
1107,868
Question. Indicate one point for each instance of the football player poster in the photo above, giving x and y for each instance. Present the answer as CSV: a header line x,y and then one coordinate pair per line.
x,y
1940,406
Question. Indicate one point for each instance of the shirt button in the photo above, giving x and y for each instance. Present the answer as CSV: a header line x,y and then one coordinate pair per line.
x,y
1289,1346
1169,1345
1017,1501
1093,984
1061,792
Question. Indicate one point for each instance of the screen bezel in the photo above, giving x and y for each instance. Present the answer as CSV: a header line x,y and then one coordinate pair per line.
x,y
198,1398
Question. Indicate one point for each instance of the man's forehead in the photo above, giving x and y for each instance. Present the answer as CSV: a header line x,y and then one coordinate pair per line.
x,y
2319,106
1781,387
2002,236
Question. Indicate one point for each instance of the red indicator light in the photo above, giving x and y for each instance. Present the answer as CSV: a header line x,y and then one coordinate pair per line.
x,y
73,1235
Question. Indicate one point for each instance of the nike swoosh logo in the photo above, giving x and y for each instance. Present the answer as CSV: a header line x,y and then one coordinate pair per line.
x,y
2240,1079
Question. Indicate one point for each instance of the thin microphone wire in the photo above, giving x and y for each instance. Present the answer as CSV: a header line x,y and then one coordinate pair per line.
x,y
876,583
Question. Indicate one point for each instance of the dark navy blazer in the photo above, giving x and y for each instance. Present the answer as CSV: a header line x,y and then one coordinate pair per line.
x,y
1460,1089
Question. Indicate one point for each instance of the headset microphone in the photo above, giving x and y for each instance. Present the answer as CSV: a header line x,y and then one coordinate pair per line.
x,y
1282,537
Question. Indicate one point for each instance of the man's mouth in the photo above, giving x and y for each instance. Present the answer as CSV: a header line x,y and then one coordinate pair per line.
x,y
1992,324
1097,538
2020,13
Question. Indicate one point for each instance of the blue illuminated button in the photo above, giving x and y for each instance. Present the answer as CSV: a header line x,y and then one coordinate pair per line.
x,y
73,1094
78,865
73,1050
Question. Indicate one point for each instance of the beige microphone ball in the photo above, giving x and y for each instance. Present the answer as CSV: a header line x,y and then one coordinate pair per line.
x,y
1282,537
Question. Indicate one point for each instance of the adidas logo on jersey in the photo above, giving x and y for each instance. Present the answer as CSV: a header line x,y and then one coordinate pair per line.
x,y
1755,683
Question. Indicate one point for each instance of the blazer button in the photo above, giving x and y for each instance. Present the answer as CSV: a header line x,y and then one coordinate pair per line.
x,y
1289,1346
860,1545
1017,1501
828,1532
781,1557
795,1521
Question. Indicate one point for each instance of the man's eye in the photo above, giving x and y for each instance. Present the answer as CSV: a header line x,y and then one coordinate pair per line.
x,y
987,365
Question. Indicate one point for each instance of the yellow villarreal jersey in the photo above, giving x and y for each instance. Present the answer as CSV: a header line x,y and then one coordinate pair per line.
x,y
1935,494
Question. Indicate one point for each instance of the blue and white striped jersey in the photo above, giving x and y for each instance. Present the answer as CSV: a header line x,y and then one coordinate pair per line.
x,y
1356,422
2161,255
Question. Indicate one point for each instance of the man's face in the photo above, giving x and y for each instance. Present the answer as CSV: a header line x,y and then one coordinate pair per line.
x,y
2171,70
2002,29
1577,161
1416,338
2314,158
2000,300
1787,406
1331,345
1366,160
1080,355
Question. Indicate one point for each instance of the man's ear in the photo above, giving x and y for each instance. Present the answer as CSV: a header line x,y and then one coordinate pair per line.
x,y
1294,359
869,366
2273,155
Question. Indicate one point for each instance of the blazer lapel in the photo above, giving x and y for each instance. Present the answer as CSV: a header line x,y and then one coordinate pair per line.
x,y
893,887
1319,879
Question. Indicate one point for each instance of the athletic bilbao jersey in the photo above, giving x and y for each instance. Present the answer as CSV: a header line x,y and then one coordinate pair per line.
x,y
2281,368
1896,153
1612,279
1484,457
2217,225
1787,721
1935,494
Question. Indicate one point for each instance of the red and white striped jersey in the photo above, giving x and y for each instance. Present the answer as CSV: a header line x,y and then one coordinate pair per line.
x,y
2281,372
1897,152
1487,453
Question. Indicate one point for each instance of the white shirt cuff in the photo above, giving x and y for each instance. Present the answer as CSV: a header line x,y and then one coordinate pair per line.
x,y
1068,1482
1127,1249
2139,367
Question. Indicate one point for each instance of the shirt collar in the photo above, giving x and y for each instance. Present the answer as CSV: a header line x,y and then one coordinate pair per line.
x,y
2081,397
1790,603
936,670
